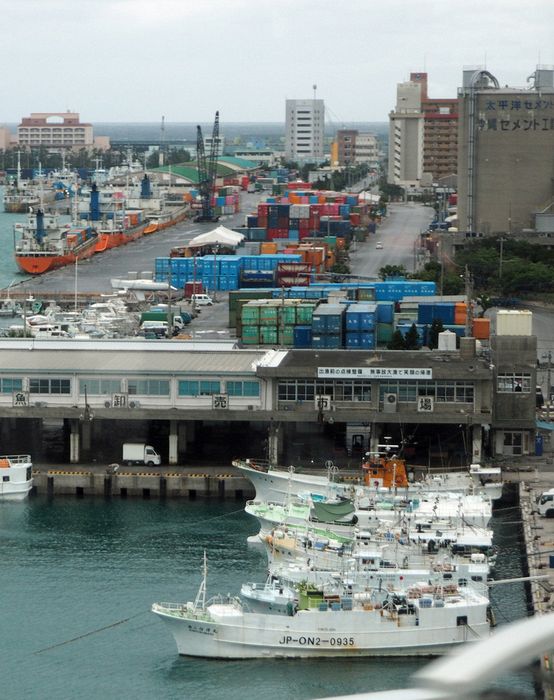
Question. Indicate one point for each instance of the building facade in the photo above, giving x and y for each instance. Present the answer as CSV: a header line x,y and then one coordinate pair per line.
x,y
353,147
58,131
304,130
506,142
423,139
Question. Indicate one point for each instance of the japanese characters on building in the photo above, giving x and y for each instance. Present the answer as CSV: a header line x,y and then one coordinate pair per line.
x,y
517,115
374,373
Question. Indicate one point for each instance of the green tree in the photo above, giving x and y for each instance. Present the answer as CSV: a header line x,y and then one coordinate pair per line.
x,y
412,338
436,328
397,342
392,271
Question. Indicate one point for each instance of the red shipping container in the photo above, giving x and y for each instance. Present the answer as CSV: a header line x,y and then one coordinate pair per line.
x,y
193,288
262,221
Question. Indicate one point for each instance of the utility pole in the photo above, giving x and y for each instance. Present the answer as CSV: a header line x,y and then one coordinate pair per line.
x,y
501,257
469,301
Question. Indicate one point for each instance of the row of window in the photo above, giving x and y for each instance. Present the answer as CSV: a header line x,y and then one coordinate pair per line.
x,y
135,387
509,382
360,390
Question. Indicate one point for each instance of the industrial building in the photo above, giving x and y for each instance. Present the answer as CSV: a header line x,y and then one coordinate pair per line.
x,y
194,400
304,130
506,142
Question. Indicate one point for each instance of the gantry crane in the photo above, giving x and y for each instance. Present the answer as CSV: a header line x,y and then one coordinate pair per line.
x,y
207,171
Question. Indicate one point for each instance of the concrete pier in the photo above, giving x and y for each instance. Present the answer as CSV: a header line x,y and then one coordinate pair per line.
x,y
173,482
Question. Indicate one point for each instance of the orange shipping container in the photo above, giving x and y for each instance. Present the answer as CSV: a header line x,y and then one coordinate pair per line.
x,y
268,248
460,312
481,328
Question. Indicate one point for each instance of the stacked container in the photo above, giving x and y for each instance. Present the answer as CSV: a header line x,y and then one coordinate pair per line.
x,y
273,322
327,326
360,326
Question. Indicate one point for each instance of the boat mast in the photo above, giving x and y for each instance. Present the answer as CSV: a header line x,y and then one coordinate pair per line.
x,y
200,600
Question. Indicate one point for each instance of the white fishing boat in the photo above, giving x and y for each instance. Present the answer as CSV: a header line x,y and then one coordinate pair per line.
x,y
421,621
276,485
16,478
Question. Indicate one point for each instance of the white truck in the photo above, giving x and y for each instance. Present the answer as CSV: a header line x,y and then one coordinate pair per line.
x,y
545,504
139,453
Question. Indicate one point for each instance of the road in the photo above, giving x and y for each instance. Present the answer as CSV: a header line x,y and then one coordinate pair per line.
x,y
398,234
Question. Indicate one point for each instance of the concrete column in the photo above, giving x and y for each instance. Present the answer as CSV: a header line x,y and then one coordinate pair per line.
x,y
375,439
74,442
86,435
275,443
476,444
173,442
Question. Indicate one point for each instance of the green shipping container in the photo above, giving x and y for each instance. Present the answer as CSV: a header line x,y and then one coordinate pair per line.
x,y
268,315
384,333
366,294
251,335
268,335
286,336
288,314
304,313
250,314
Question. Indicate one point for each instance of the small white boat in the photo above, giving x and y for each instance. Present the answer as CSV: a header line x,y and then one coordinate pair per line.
x,y
410,623
16,478
272,596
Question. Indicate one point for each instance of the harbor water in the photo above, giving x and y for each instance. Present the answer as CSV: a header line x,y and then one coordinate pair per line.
x,y
78,577
9,272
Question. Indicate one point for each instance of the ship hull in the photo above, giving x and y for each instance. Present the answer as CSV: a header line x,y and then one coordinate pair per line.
x,y
38,262
334,634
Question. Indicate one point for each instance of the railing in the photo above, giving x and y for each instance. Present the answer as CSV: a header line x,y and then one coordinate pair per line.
x,y
17,459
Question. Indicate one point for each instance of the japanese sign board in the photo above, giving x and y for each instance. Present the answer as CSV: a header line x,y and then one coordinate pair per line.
x,y
20,398
374,373
119,401
425,404
220,401
322,402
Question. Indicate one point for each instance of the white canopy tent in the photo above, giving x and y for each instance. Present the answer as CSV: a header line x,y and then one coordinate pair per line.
x,y
218,236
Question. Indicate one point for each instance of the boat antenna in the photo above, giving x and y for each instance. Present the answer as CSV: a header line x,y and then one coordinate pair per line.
x,y
200,600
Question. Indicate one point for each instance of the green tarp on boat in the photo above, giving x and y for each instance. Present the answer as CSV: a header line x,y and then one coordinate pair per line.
x,y
328,512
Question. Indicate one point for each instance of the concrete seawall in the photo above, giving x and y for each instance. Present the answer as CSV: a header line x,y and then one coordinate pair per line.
x,y
207,482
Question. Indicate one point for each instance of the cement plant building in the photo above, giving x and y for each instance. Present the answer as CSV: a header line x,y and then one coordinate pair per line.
x,y
506,155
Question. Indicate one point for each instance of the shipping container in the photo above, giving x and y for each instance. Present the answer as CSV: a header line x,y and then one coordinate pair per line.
x,y
481,328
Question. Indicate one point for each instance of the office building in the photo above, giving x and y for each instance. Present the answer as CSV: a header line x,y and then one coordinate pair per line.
x,y
58,131
304,130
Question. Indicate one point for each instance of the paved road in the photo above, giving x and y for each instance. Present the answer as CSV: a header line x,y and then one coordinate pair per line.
x,y
398,234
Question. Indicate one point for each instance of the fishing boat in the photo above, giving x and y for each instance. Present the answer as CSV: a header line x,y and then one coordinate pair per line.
x,y
16,477
46,244
418,621
379,471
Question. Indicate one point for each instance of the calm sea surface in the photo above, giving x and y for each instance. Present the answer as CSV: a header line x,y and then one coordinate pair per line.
x,y
74,566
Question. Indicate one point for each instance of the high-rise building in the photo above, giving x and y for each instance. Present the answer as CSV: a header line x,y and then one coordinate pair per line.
x,y
423,138
353,146
406,137
505,154
304,130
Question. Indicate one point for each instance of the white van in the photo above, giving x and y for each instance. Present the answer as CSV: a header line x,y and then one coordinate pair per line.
x,y
201,300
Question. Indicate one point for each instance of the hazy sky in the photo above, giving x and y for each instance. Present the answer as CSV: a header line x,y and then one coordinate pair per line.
x,y
134,60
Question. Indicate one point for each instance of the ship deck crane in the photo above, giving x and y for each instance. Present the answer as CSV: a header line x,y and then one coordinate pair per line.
x,y
207,171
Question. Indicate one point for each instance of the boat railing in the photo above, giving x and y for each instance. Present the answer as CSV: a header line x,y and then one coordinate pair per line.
x,y
17,459
261,465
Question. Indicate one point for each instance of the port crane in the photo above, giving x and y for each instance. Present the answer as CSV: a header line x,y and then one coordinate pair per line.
x,y
207,171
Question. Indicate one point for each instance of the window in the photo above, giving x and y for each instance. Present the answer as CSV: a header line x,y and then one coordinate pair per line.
x,y
99,387
339,390
440,391
148,387
516,382
198,388
513,444
243,388
9,384
50,386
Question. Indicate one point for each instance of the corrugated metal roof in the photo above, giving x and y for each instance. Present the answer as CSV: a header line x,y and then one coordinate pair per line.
x,y
127,362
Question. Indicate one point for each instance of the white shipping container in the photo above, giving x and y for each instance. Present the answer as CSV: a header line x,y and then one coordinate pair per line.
x,y
510,322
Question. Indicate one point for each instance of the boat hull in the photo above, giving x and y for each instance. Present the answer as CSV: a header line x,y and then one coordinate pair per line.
x,y
38,262
335,634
